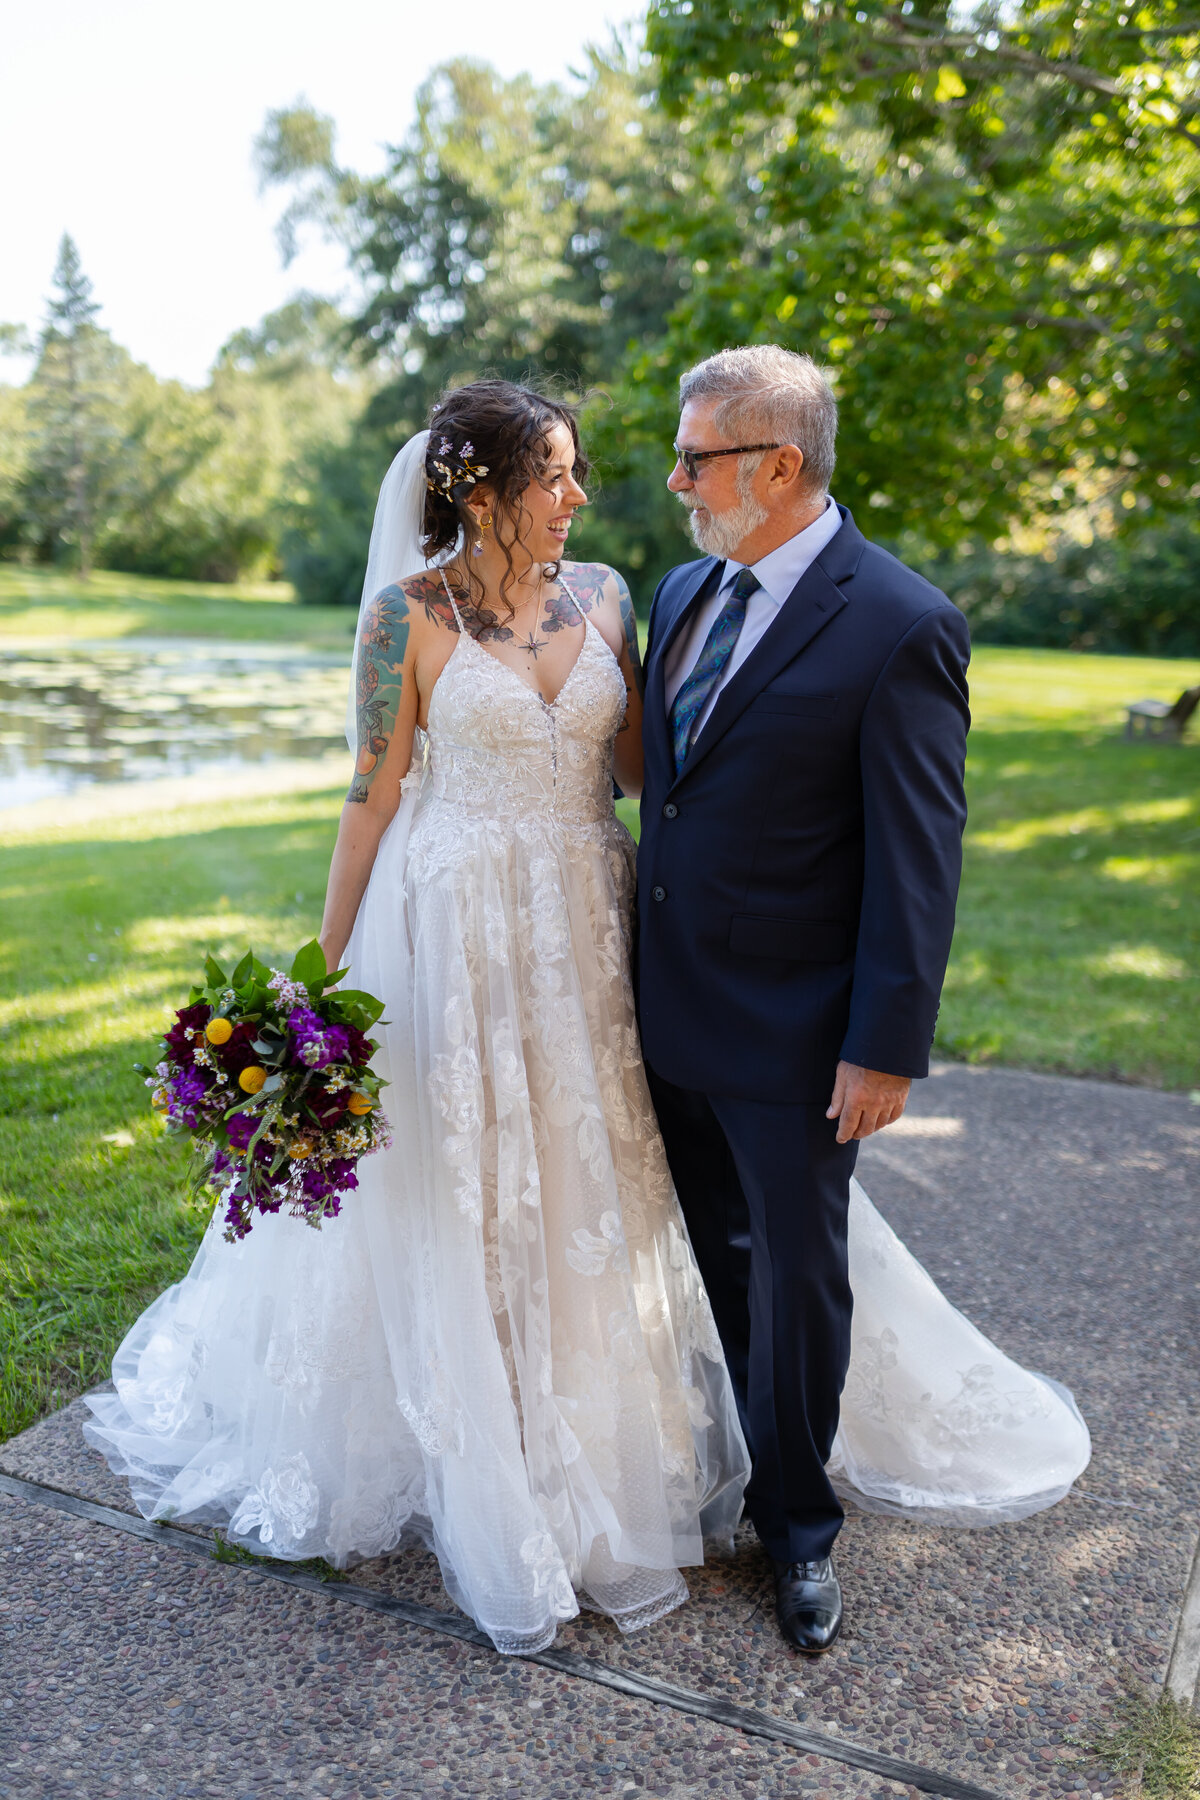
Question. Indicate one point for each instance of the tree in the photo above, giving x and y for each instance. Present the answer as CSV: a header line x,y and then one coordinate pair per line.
x,y
71,413
984,220
495,242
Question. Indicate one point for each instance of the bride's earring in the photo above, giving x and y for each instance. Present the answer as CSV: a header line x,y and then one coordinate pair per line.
x,y
477,549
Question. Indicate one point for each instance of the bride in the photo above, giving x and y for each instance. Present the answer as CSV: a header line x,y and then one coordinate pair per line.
x,y
503,1345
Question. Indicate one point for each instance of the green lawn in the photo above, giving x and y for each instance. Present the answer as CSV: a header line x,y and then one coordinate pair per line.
x,y
105,929
36,603
1077,950
1078,940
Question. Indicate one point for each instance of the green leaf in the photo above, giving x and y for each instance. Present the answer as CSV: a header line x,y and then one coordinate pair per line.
x,y
309,964
243,971
335,976
216,974
359,1006
950,85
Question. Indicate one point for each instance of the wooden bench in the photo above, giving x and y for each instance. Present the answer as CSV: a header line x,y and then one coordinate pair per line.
x,y
1157,719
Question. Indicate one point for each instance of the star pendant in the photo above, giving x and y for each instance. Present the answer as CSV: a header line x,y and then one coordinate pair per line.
x,y
534,645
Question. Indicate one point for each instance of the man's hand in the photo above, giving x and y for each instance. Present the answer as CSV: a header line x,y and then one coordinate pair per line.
x,y
864,1100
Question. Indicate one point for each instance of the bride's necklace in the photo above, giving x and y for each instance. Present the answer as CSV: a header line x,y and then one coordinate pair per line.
x,y
533,643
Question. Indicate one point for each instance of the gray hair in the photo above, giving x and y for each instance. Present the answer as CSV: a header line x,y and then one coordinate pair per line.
x,y
768,393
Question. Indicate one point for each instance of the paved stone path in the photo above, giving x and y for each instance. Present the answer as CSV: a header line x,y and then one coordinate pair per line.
x,y
1060,1214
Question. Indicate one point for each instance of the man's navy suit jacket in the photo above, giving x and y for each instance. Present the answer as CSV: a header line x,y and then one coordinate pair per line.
x,y
797,879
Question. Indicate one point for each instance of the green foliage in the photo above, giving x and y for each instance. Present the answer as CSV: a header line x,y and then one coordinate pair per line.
x,y
102,460
1157,1741
1138,594
984,223
225,1552
74,435
327,526
496,243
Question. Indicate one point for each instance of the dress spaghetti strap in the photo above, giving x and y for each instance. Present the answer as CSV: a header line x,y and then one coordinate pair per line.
x,y
453,603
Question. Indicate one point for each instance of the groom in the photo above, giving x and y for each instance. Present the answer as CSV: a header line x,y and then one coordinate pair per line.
x,y
802,817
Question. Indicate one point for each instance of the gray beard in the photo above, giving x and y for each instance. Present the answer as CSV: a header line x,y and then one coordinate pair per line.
x,y
721,533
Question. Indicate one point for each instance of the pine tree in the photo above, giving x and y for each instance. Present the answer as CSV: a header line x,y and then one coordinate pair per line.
x,y
71,413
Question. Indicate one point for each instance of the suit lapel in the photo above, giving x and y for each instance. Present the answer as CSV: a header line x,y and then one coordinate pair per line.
x,y
815,599
676,613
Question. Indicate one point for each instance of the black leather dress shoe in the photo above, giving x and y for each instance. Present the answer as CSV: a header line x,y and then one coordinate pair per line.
x,y
808,1603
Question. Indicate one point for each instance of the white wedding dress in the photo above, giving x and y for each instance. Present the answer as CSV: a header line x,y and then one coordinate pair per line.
x,y
503,1344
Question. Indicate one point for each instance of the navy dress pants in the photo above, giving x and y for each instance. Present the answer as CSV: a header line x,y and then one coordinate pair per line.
x,y
765,1191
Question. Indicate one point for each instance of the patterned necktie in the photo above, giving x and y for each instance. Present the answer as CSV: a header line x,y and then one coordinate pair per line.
x,y
692,697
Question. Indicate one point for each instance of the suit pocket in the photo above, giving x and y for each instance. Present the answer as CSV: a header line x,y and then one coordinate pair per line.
x,y
796,940
804,706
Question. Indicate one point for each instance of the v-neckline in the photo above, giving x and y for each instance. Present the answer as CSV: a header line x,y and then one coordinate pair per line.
x,y
536,692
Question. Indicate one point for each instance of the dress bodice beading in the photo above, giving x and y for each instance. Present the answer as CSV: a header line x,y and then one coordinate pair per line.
x,y
498,750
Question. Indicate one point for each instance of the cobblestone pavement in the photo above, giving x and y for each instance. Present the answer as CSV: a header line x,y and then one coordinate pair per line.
x,y
1059,1214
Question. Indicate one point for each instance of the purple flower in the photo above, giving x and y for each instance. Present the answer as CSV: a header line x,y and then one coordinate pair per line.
x,y
189,1091
317,1044
241,1128
236,1224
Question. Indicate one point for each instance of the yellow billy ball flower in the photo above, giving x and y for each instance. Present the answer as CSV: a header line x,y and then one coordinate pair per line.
x,y
250,1080
359,1104
218,1031
159,1100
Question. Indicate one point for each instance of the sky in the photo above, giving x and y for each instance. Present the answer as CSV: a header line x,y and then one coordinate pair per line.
x,y
131,125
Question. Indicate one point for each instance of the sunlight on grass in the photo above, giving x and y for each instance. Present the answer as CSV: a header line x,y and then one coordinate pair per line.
x,y
1148,871
1017,689
1144,960
42,605
151,937
1093,818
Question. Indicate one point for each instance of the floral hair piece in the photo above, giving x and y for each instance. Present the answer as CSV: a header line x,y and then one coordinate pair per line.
x,y
450,470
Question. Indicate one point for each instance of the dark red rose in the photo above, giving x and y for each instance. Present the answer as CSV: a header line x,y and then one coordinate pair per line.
x,y
327,1109
360,1047
238,1052
188,1018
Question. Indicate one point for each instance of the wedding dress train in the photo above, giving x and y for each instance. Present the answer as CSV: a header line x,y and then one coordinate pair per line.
x,y
503,1344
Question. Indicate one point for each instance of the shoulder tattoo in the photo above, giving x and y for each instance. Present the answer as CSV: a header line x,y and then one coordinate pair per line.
x,y
584,584
479,621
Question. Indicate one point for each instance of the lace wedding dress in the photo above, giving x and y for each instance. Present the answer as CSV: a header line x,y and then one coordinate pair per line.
x,y
503,1344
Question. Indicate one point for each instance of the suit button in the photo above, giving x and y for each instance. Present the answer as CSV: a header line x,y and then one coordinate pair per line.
x,y
658,893
670,810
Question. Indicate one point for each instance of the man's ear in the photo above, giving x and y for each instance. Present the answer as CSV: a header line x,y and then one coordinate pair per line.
x,y
788,467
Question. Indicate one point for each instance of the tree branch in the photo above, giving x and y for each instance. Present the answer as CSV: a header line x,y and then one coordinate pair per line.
x,y
1078,74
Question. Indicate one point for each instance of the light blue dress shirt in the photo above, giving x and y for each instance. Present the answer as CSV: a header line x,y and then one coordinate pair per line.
x,y
778,572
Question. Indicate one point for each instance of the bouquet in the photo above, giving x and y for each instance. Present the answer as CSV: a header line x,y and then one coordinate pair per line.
x,y
270,1075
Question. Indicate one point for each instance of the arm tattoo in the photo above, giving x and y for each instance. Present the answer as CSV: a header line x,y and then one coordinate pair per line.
x,y
629,625
378,679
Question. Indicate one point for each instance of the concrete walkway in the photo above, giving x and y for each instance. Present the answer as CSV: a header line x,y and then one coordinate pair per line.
x,y
1061,1215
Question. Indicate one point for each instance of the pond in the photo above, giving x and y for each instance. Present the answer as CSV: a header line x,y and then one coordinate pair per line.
x,y
146,708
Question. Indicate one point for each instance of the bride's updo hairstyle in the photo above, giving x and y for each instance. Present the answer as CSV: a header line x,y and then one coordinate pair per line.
x,y
493,433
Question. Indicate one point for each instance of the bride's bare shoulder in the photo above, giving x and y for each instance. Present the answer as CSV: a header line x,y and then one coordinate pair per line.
x,y
592,585
417,601
603,594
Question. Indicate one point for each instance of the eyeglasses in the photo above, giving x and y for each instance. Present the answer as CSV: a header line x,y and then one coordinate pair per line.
x,y
690,460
